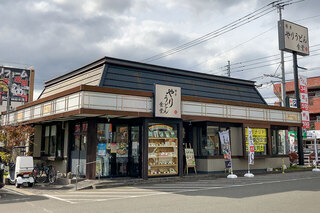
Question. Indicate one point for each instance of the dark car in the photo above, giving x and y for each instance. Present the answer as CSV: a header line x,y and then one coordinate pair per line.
x,y
1,173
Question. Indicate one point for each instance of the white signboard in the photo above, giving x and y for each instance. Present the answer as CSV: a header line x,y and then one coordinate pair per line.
x,y
167,101
293,38
313,133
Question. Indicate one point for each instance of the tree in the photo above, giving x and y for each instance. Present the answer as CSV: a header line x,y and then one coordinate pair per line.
x,y
16,136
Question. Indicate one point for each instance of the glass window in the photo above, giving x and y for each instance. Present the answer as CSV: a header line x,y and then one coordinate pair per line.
x,y
280,144
212,146
46,140
259,140
53,141
50,141
209,141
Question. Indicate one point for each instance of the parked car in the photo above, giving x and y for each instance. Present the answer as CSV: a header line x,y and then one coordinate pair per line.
x,y
21,172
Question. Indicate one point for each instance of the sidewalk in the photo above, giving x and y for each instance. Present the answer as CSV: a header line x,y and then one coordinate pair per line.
x,y
127,181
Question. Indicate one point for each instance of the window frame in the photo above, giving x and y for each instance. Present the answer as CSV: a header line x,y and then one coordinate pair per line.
x,y
276,130
58,139
204,125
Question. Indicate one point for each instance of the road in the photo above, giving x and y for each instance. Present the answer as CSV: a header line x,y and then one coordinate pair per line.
x,y
290,192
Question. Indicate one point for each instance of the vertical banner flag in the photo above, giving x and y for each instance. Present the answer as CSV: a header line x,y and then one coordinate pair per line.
x,y
226,149
251,147
304,102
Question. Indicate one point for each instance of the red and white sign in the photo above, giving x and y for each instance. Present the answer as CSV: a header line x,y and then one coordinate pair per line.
x,y
305,106
304,102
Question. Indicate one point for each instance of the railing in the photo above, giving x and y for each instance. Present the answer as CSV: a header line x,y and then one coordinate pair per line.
x,y
78,166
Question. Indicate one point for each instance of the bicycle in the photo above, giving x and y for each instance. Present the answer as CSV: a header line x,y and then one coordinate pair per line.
x,y
44,174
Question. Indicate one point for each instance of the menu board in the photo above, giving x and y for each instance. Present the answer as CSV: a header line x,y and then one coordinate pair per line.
x,y
259,140
190,160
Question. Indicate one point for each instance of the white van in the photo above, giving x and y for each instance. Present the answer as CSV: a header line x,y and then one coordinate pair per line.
x,y
22,171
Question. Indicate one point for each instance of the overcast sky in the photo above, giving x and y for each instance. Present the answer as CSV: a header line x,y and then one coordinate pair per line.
x,y
57,36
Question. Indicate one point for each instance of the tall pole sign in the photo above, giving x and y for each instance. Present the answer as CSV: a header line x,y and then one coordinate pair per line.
x,y
294,38
304,102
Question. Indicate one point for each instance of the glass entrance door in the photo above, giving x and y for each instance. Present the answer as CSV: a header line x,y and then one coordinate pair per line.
x,y
104,152
120,157
118,150
79,149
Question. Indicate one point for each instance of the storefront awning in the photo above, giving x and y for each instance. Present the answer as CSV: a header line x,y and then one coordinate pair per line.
x,y
91,101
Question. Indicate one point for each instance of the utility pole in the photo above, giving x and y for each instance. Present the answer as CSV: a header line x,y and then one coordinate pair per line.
x,y
283,80
297,91
228,69
2,84
9,95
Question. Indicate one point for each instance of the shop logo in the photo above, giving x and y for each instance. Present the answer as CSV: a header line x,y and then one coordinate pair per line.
x,y
167,101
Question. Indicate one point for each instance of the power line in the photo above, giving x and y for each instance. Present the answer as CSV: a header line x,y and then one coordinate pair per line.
x,y
311,17
233,25
268,64
244,63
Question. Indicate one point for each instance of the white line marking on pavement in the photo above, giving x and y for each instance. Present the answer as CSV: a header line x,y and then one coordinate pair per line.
x,y
100,195
209,188
106,192
152,193
12,191
57,198
17,199
46,210
175,187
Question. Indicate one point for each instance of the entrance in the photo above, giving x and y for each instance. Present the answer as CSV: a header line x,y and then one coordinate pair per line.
x,y
79,148
118,150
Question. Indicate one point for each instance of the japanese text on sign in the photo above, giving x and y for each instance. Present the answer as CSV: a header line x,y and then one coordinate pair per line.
x,y
167,101
20,88
259,140
305,117
293,38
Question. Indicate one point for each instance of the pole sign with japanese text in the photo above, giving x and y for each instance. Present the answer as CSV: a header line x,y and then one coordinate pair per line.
x,y
305,117
21,80
167,101
293,38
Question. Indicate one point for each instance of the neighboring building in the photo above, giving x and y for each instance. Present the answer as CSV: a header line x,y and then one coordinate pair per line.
x,y
105,112
314,98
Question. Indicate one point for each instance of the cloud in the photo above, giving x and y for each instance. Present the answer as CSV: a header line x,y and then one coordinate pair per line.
x,y
57,36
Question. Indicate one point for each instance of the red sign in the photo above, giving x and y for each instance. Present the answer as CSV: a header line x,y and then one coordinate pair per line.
x,y
305,107
251,148
305,118
306,124
303,89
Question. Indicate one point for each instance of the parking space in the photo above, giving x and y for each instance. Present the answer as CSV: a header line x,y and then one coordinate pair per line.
x,y
8,195
183,187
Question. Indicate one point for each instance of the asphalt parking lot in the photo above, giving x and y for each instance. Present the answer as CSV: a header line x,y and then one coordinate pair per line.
x,y
288,192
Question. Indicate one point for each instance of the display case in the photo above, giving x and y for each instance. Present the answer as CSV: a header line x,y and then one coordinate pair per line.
x,y
162,151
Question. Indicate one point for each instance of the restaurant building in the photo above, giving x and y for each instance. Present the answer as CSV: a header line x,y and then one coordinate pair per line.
x,y
118,118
